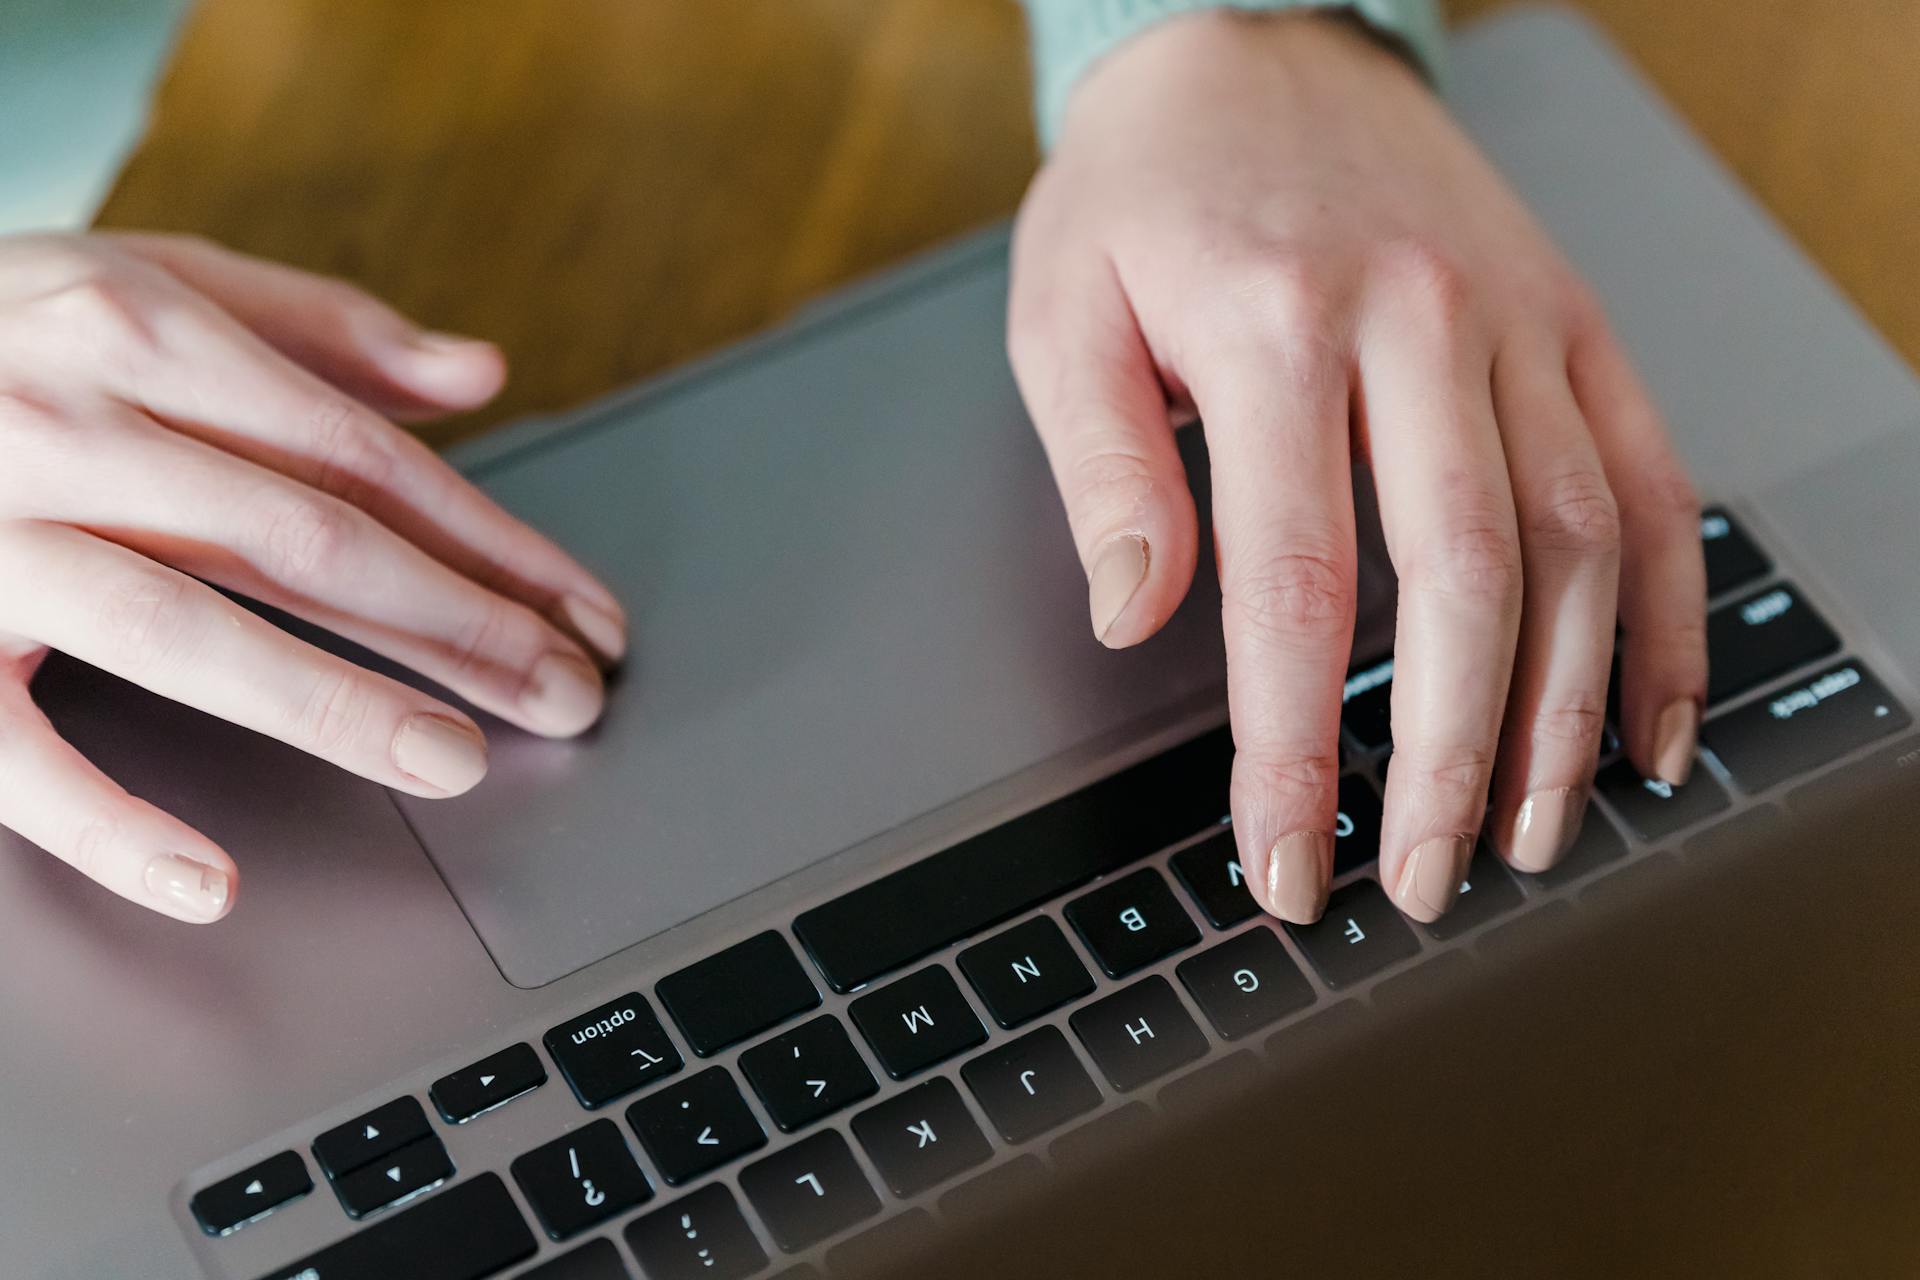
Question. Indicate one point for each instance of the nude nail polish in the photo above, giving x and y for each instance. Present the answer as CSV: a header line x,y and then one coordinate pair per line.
x,y
602,630
1117,574
1675,735
445,754
188,888
564,694
1545,827
1430,877
1299,867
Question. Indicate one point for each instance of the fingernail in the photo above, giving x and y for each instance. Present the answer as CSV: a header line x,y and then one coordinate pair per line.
x,y
1544,828
1674,736
1117,574
565,694
193,889
1298,870
1430,879
442,753
602,630
444,344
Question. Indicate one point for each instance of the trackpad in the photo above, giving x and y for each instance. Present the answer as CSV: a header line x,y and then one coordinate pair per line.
x,y
853,599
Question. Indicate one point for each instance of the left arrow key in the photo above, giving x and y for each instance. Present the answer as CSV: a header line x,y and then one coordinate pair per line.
x,y
251,1194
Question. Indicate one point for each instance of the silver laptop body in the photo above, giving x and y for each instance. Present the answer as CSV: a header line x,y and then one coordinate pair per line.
x,y
859,641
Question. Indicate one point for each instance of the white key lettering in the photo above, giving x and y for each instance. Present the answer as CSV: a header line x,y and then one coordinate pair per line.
x,y
1132,918
808,1180
1247,980
1140,1032
924,1132
916,1018
1025,968
1353,932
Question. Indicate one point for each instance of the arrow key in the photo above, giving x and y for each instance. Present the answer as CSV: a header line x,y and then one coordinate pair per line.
x,y
698,1124
491,1082
251,1194
371,1137
400,1176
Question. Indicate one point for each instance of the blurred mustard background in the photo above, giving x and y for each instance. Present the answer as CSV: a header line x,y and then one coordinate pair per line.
x,y
608,187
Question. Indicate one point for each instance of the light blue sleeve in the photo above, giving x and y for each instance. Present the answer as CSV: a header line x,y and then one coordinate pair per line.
x,y
1069,36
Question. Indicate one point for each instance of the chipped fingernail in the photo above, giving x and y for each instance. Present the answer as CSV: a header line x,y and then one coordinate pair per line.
x,y
188,887
1430,877
1117,574
445,754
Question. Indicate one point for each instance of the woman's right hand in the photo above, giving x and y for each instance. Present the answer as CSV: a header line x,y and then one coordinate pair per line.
x,y
174,415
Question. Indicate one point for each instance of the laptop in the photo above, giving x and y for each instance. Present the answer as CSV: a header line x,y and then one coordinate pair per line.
x,y
886,916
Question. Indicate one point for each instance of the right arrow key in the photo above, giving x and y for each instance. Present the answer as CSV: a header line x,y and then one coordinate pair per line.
x,y
696,1125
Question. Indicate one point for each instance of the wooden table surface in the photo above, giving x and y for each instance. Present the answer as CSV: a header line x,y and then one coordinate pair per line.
x,y
606,187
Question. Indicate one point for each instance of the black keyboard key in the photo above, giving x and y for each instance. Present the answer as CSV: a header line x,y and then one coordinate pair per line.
x,y
1803,726
918,1021
1365,705
921,1138
1020,864
1597,844
581,1179
1031,1085
1211,873
1732,559
1487,892
373,1136
612,1050
1246,983
1360,934
1138,1033
251,1194
398,1176
1132,922
595,1260
698,1124
740,992
1027,971
1752,640
491,1082
1654,809
703,1234
809,1191
806,1073
470,1231
1356,828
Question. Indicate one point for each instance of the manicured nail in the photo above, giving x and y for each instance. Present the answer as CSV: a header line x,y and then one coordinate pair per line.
x,y
1675,734
1298,870
565,694
1117,574
1545,827
1430,877
192,889
603,631
444,344
442,753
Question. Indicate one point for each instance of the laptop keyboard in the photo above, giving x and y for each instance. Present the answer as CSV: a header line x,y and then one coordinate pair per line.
x,y
939,1027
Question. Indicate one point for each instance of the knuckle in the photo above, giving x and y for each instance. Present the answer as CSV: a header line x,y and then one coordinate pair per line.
x,y
1669,495
111,308
1422,276
497,646
1450,775
1474,558
1574,723
351,459
145,619
1291,777
1293,597
1280,296
1577,515
90,847
333,715
306,538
